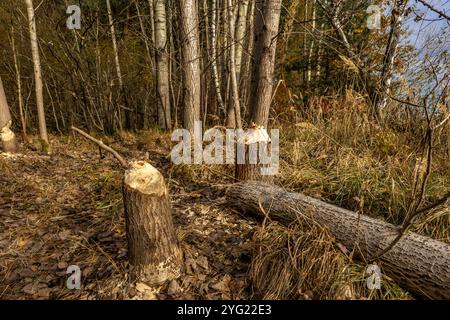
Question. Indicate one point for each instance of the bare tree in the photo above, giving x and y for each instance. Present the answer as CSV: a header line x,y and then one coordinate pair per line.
x,y
214,57
37,76
191,62
19,84
399,11
234,111
241,27
162,64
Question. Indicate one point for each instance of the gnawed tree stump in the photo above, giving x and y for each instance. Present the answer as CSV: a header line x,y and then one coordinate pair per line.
x,y
249,163
419,264
7,138
153,249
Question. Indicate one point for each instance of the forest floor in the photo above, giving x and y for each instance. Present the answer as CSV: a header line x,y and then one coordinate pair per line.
x,y
66,209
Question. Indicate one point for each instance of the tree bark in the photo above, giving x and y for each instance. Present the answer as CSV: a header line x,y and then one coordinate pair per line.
x,y
37,77
162,64
234,117
7,137
266,31
191,62
153,249
241,27
419,264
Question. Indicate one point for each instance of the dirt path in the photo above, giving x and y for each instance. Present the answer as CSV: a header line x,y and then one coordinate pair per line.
x,y
67,210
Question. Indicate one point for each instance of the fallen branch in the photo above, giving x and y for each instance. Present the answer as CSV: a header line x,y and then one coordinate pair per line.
x,y
100,143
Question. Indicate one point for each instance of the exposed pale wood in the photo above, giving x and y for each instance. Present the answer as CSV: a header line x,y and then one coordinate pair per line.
x,y
7,137
417,263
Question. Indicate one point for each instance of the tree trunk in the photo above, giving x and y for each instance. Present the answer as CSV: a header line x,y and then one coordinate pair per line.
x,y
162,65
191,62
311,45
19,85
419,264
240,35
266,31
37,77
7,137
234,103
153,249
288,25
125,112
398,14
114,42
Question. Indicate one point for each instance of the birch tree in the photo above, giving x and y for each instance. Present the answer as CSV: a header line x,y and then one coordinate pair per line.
x,y
399,11
37,77
162,64
234,112
191,62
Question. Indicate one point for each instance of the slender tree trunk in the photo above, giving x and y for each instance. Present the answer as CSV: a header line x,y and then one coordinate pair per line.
x,y
288,25
114,42
398,14
246,64
37,77
162,64
240,35
311,45
149,58
319,53
7,137
117,64
214,58
19,85
234,115
266,31
191,62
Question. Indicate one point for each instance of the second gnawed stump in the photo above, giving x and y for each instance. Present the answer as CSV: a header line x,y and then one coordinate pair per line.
x,y
254,159
153,248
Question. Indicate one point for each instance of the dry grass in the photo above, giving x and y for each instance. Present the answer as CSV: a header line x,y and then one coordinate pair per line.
x,y
342,158
345,160
303,261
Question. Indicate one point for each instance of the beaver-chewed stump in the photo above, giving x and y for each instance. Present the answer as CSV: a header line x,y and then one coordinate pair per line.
x,y
153,249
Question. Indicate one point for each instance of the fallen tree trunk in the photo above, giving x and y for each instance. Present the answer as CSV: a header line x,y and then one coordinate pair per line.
x,y
418,264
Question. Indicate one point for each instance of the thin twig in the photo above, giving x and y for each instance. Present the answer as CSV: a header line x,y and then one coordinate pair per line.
x,y
100,143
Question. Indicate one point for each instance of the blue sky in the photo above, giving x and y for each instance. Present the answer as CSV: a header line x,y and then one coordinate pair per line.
x,y
427,27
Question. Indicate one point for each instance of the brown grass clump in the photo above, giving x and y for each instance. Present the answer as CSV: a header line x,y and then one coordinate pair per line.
x,y
303,261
